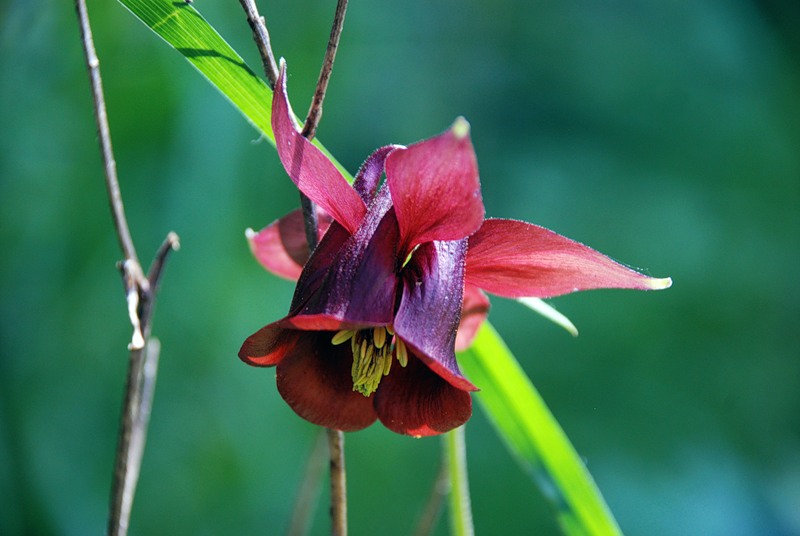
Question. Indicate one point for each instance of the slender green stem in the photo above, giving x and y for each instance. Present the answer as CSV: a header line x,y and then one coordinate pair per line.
x,y
455,452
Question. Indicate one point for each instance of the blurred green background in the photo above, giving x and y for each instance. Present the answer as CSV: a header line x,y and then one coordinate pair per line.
x,y
665,134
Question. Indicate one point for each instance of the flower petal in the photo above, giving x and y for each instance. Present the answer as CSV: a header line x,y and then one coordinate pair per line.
x,y
314,379
413,400
435,188
430,308
517,259
369,175
281,247
360,284
316,269
308,167
474,311
268,346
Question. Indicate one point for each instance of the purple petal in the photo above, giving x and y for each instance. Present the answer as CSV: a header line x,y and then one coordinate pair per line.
x,y
430,308
314,379
281,247
415,401
360,284
518,259
435,188
369,175
318,265
309,168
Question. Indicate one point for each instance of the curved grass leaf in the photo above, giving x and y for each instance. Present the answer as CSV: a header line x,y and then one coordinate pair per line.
x,y
534,437
512,403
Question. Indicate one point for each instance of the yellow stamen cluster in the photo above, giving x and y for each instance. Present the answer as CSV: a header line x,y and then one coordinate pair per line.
x,y
372,355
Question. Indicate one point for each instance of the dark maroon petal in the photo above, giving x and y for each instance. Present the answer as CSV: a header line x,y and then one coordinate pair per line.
x,y
309,168
415,401
268,346
281,247
369,176
517,259
359,287
474,311
317,267
430,308
435,188
314,379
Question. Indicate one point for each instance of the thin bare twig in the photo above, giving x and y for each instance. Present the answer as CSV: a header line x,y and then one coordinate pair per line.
x,y
315,114
140,295
261,37
139,389
170,243
315,111
101,117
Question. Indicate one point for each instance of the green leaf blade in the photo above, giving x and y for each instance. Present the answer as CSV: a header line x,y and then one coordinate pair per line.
x,y
534,437
183,28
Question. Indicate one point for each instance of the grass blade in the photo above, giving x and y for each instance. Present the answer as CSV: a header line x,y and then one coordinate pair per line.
x,y
534,437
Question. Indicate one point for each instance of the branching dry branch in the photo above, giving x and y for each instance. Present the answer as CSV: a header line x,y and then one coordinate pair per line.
x,y
140,296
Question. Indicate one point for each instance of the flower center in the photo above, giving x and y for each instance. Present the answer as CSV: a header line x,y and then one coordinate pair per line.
x,y
372,355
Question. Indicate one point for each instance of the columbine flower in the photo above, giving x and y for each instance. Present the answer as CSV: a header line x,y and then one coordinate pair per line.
x,y
372,328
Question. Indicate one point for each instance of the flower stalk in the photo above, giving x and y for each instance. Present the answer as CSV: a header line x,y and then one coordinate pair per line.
x,y
310,223
335,437
455,452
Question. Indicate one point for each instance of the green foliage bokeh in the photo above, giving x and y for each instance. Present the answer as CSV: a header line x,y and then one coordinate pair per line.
x,y
663,134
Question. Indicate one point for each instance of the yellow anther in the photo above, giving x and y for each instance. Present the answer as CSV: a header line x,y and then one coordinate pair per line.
x,y
402,352
373,353
342,336
390,329
379,337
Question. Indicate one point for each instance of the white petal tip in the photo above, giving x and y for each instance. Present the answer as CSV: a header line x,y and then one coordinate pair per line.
x,y
659,284
249,233
460,128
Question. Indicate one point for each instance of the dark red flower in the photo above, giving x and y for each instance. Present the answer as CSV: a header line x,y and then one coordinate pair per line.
x,y
397,274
